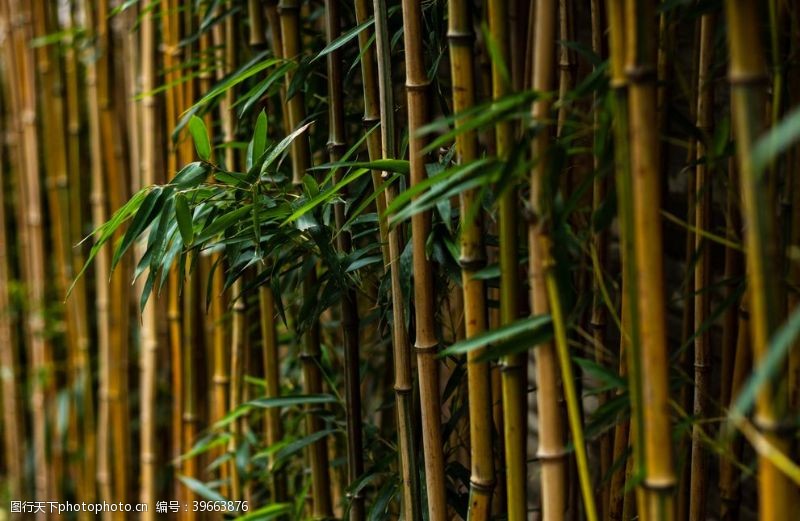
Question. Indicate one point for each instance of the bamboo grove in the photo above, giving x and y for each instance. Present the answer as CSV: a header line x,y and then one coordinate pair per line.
x,y
458,259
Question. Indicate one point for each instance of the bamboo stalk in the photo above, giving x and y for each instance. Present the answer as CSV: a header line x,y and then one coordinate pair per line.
x,y
349,305
729,487
659,477
149,350
472,259
289,11
272,377
54,146
116,187
102,265
513,367
78,297
551,451
747,77
426,344
379,106
13,416
627,434
702,272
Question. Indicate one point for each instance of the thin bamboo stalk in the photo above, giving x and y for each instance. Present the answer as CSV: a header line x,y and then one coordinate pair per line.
x,y
551,451
349,304
238,346
747,76
54,146
702,272
170,38
116,186
472,259
102,265
659,477
729,479
149,351
272,376
379,107
426,344
513,367
24,101
78,298
13,416
289,11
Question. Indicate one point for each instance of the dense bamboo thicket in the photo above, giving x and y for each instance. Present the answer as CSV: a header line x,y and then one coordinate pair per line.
x,y
497,259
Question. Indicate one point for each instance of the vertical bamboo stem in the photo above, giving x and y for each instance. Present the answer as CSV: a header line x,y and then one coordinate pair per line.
x,y
551,450
513,367
426,344
659,478
473,258
747,76
702,272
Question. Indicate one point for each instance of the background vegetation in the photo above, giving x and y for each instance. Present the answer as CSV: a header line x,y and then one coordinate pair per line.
x,y
402,260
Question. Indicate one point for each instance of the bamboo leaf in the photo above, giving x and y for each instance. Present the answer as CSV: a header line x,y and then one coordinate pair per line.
x,y
184,217
259,137
498,335
763,374
200,488
146,213
197,128
288,401
294,447
190,175
278,149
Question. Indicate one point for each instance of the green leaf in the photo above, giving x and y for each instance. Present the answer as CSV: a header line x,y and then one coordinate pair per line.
x,y
292,448
776,141
200,137
200,488
259,137
343,39
191,175
777,351
284,143
288,401
184,217
146,213
498,335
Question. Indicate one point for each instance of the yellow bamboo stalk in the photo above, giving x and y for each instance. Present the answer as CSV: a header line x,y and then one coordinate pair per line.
x,y
551,451
149,350
78,298
426,344
747,76
13,416
473,258
659,477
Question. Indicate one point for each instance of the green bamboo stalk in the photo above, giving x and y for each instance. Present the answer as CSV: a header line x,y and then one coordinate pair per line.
x,y
513,368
